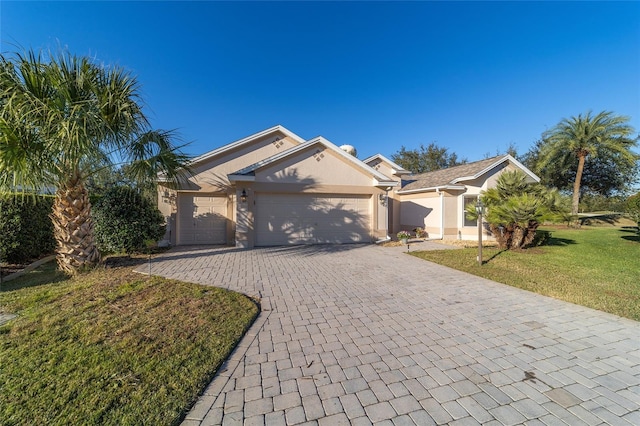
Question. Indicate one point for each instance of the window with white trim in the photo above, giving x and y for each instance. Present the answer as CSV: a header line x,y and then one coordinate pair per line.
x,y
465,221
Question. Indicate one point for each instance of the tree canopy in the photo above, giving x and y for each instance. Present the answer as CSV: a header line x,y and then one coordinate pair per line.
x,y
63,119
605,175
426,159
596,149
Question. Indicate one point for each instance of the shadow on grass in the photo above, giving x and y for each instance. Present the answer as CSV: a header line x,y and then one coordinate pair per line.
x,y
610,219
634,230
629,229
494,256
43,275
560,242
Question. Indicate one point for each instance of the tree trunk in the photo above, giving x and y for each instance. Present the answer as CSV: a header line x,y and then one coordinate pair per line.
x,y
73,229
576,185
502,234
517,239
530,233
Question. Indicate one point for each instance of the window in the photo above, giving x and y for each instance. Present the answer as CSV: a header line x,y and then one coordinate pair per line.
x,y
465,220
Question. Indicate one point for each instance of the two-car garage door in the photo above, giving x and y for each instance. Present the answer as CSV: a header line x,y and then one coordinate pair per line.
x,y
282,219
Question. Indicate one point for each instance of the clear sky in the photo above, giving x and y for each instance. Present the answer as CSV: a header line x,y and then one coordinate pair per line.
x,y
473,77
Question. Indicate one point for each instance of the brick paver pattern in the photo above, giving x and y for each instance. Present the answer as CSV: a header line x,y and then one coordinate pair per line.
x,y
362,334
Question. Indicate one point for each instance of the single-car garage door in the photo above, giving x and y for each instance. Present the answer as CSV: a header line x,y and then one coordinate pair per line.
x,y
312,219
201,219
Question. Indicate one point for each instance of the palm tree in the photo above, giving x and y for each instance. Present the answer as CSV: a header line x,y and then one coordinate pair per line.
x,y
603,135
516,207
64,119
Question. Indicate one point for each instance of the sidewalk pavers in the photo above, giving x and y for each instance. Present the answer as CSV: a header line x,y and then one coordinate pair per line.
x,y
364,334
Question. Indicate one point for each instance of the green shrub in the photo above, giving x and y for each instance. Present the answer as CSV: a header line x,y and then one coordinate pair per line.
x,y
124,220
26,230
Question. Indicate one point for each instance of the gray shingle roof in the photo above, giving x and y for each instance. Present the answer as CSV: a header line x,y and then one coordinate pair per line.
x,y
444,177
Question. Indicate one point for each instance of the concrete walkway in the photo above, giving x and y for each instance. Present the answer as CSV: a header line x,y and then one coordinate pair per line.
x,y
367,334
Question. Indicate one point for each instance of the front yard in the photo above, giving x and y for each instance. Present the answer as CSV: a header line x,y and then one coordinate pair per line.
x,y
597,267
112,347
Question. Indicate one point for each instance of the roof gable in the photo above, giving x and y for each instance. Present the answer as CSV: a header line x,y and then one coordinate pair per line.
x,y
457,175
275,130
397,169
248,173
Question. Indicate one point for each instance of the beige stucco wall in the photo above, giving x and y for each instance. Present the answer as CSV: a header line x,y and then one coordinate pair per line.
x,y
315,166
421,210
211,175
393,212
453,215
167,199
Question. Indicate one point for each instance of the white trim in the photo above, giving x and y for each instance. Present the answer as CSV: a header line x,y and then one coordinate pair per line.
x,y
397,169
462,209
433,188
441,214
379,178
241,178
495,164
246,140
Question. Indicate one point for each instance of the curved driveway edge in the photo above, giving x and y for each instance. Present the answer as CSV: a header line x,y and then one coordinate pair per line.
x,y
368,335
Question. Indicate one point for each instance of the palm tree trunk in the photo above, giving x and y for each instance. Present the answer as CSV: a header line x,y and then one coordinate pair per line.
x,y
73,229
576,185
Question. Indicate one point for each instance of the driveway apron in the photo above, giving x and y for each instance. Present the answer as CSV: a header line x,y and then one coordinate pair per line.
x,y
354,334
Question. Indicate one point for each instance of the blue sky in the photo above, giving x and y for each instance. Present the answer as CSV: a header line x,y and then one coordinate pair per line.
x,y
473,77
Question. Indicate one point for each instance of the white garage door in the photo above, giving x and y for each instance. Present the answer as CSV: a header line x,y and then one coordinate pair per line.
x,y
201,219
312,219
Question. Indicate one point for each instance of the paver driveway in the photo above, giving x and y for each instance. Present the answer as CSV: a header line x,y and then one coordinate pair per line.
x,y
366,334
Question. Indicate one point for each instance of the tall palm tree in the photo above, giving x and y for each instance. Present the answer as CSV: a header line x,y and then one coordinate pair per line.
x,y
64,118
603,135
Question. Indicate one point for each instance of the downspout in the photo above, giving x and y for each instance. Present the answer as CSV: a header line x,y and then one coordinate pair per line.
x,y
441,213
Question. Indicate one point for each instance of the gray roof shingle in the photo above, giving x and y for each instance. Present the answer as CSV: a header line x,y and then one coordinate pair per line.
x,y
444,177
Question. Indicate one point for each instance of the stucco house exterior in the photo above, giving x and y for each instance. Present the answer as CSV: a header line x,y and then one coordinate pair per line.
x,y
436,201
275,188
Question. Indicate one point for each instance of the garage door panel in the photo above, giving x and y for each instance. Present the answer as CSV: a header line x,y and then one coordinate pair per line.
x,y
202,219
307,219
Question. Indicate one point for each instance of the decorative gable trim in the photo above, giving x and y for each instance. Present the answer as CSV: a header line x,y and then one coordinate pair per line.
x,y
244,141
397,170
244,174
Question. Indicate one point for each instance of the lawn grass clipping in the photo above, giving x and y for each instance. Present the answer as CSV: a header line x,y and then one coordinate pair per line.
x,y
113,347
593,267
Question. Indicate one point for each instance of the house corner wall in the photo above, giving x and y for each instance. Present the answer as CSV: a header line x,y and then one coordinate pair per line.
x,y
167,199
244,227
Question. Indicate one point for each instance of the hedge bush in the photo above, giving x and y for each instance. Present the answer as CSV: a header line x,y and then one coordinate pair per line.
x,y
26,230
124,220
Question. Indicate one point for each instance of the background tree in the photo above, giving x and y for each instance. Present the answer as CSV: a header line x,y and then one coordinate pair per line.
x,y
633,208
426,159
515,209
597,146
603,177
64,118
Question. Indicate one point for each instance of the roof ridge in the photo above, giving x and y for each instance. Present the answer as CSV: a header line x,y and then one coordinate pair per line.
x,y
460,165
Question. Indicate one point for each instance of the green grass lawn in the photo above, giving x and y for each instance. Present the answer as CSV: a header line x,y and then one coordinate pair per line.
x,y
112,347
598,267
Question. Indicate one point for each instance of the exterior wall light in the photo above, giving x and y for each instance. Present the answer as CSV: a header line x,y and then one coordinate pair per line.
x,y
243,196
